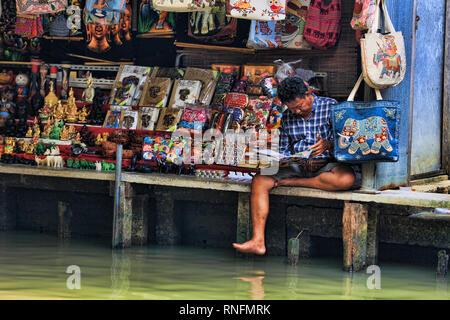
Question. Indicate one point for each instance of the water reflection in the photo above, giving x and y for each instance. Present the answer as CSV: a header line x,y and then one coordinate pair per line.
x,y
256,284
120,273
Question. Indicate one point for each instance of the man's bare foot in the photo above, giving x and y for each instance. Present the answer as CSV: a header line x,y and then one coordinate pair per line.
x,y
251,247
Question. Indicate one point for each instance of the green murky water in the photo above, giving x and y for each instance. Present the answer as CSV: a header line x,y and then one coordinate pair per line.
x,y
33,266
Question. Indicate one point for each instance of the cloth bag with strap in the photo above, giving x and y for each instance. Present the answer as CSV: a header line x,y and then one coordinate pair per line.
x,y
366,131
40,7
364,14
383,54
323,23
264,10
183,5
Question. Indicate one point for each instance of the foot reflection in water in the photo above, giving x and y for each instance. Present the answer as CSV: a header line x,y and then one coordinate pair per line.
x,y
257,288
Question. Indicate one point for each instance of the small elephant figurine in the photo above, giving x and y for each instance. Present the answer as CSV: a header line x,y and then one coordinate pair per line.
x,y
373,128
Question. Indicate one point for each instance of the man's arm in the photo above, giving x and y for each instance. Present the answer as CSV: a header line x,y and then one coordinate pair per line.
x,y
284,141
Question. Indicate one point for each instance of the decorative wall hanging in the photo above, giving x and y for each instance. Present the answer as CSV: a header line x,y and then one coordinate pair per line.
x,y
185,92
155,21
156,92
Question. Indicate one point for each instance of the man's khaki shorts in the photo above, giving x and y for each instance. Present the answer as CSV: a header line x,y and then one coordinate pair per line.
x,y
295,171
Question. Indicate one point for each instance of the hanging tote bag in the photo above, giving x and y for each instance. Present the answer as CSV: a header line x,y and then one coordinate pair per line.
x,y
323,23
364,14
183,5
265,10
264,35
293,26
366,131
40,7
383,54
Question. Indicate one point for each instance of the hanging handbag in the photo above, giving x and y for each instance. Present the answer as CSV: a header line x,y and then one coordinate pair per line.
x,y
293,26
264,35
323,23
364,14
366,131
40,7
383,54
257,10
183,5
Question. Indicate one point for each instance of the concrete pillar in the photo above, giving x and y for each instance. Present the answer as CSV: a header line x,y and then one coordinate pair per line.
x,y
166,229
64,220
7,216
122,224
139,235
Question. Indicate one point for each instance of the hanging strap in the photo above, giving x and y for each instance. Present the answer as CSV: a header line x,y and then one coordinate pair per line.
x,y
389,26
352,95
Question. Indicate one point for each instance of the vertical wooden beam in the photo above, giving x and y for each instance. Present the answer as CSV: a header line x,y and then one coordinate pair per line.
x,y
7,217
354,235
446,95
372,235
166,229
64,220
122,226
140,220
243,218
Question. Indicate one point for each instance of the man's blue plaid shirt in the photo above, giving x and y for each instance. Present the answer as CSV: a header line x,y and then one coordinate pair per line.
x,y
298,134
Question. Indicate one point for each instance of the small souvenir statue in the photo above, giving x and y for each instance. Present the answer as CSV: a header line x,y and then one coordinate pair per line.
x,y
97,116
22,81
29,133
43,72
72,132
9,145
51,99
89,92
4,112
59,111
71,108
64,136
82,116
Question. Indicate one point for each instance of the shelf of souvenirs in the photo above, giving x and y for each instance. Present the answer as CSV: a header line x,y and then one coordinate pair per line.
x,y
74,67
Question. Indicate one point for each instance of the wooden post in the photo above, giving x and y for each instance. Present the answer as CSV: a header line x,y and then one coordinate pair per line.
x,y
166,229
442,268
123,222
65,218
354,235
372,235
140,220
7,216
243,218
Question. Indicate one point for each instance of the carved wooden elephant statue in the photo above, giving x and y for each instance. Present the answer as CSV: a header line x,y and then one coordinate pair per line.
x,y
373,128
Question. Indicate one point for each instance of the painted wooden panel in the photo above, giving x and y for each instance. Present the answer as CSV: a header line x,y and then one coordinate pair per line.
x,y
427,115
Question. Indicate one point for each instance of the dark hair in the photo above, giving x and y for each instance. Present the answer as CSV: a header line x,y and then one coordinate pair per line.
x,y
291,88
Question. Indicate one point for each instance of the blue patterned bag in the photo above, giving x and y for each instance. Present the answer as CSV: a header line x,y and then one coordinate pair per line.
x,y
366,131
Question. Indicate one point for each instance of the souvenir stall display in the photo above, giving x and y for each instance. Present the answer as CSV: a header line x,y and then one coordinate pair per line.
x,y
48,119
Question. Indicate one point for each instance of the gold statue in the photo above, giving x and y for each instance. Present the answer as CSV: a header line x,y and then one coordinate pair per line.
x,y
71,108
51,99
37,132
64,136
29,133
72,132
59,112
82,116
98,140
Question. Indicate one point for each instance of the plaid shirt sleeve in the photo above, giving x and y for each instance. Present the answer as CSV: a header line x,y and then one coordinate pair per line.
x,y
284,139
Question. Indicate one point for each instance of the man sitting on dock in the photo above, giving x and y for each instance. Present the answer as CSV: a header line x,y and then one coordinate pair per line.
x,y
306,128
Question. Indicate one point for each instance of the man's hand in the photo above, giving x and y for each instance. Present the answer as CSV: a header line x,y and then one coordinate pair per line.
x,y
320,147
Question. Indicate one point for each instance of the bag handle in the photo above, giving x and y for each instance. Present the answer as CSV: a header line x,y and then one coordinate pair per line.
x,y
389,26
352,95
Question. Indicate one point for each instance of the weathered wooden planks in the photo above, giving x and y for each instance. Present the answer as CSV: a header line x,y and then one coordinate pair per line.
x,y
354,236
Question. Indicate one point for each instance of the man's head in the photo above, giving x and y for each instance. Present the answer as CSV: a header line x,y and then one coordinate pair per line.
x,y
295,95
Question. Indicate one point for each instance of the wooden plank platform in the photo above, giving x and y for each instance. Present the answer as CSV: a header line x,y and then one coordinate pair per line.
x,y
393,197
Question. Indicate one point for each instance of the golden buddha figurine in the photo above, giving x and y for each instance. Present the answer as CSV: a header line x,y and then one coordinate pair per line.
x,y
29,133
64,135
72,132
9,145
51,99
77,138
98,140
59,112
37,132
82,116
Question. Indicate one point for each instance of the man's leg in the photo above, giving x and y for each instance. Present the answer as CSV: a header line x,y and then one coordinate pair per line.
x,y
259,201
338,179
